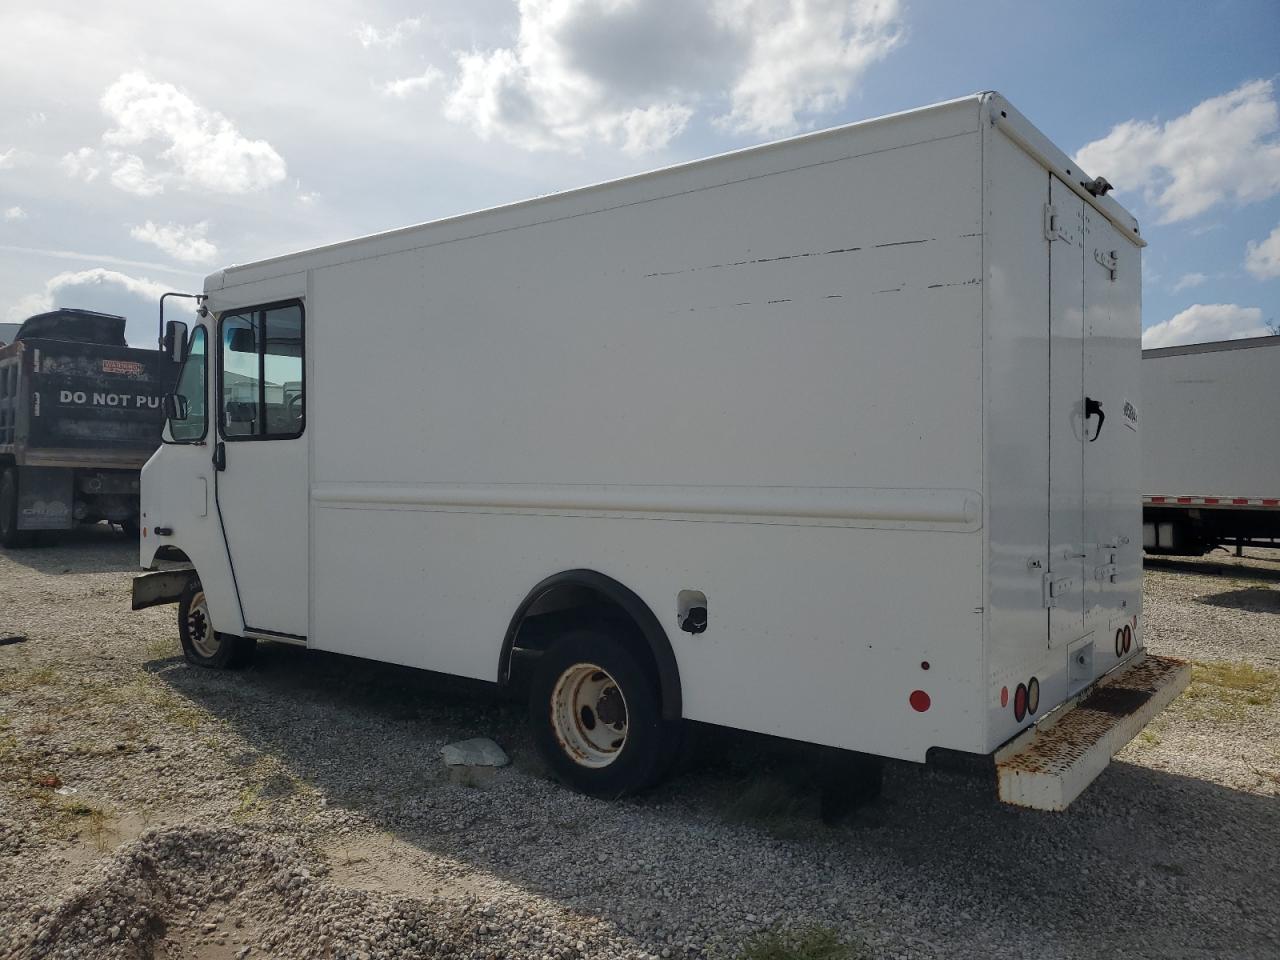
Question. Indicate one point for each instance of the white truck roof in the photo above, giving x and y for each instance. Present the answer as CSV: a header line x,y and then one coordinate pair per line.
x,y
744,163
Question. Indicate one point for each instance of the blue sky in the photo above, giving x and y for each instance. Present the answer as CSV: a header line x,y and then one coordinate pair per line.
x,y
182,142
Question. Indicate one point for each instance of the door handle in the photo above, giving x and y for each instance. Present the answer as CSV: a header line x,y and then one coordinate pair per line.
x,y
219,456
1092,408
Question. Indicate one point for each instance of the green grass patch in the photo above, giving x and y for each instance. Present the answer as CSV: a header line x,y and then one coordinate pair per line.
x,y
1225,690
45,676
805,943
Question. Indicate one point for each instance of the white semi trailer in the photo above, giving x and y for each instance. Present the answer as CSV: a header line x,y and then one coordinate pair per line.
x,y
1210,446
825,439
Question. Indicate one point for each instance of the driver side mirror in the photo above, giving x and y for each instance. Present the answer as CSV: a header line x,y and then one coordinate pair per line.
x,y
176,407
175,340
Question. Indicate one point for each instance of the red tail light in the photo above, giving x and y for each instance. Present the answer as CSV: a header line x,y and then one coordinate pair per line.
x,y
1020,702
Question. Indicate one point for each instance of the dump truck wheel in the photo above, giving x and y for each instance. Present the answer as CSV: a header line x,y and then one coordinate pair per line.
x,y
10,535
202,645
596,715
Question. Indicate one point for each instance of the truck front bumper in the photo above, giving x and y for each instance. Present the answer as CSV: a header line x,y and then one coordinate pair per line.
x,y
160,586
1048,765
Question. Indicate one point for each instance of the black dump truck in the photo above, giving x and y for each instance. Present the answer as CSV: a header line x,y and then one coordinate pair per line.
x,y
80,413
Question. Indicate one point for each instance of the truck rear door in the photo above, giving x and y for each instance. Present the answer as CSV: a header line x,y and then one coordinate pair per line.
x,y
1094,310
1064,224
1112,301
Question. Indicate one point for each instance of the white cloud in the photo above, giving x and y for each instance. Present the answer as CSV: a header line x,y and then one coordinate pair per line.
x,y
93,258
1202,322
83,285
15,213
188,145
188,244
371,36
81,164
6,158
1189,280
130,174
1223,149
407,86
1262,259
632,74
805,58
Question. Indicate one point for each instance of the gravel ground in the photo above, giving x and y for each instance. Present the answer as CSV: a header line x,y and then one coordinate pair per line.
x,y
298,809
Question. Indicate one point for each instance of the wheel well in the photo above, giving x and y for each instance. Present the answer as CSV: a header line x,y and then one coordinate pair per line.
x,y
584,597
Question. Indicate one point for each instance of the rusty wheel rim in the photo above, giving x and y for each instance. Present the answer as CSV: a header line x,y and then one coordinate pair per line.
x,y
589,715
200,627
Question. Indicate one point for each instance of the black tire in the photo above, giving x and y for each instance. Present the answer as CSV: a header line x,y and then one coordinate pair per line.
x,y
646,748
202,646
10,535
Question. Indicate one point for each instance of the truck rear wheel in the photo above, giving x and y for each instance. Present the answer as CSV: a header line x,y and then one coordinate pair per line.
x,y
596,715
10,535
202,645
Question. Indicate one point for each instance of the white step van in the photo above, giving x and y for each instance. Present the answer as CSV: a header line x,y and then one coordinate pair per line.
x,y
833,439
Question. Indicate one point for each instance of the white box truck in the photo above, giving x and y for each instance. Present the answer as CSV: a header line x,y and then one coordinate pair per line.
x,y
1210,446
824,439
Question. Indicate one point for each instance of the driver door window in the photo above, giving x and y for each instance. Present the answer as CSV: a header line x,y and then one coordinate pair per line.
x,y
262,394
191,387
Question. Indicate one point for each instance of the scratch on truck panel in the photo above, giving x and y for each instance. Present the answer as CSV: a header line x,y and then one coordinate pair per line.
x,y
903,243
957,283
744,263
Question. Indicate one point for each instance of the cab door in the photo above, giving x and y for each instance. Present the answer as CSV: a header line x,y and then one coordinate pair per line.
x,y
261,463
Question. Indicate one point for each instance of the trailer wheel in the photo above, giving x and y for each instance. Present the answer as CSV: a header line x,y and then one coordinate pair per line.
x,y
10,535
596,715
202,645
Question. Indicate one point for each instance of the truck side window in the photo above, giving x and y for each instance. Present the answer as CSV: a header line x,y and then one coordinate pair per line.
x,y
262,396
191,386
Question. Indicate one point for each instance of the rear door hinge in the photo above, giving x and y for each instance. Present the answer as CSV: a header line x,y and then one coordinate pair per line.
x,y
1055,588
1106,572
1056,225
1108,260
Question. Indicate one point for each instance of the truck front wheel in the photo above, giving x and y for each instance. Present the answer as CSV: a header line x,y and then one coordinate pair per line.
x,y
596,715
202,645
10,535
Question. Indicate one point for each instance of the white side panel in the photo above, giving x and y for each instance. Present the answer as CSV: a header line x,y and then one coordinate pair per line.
x,y
776,332
805,338
814,633
1208,421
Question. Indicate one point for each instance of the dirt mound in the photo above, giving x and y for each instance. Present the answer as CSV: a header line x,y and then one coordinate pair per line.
x,y
202,894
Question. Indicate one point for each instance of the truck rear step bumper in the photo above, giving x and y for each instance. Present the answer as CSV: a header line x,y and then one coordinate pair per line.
x,y
1047,766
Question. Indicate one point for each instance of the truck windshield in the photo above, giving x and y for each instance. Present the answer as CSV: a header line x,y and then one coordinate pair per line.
x,y
191,386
